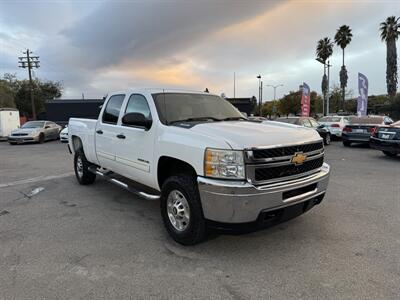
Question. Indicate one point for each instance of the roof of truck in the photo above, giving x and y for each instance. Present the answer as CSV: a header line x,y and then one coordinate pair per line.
x,y
160,90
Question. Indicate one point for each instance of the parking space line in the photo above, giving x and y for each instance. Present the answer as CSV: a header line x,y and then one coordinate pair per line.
x,y
35,179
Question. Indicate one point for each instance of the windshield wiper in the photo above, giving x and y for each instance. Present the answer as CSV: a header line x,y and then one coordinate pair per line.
x,y
233,119
194,120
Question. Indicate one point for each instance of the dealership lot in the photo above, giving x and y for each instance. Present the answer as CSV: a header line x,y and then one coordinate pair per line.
x,y
62,240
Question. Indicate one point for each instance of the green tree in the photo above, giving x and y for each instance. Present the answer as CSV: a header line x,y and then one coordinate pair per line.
x,y
7,94
342,39
389,34
323,52
42,91
290,104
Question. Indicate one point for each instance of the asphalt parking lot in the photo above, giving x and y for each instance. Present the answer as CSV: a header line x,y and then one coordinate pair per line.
x,y
60,240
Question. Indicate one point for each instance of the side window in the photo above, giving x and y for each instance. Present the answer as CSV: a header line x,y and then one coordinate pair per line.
x,y
305,123
138,104
111,113
313,123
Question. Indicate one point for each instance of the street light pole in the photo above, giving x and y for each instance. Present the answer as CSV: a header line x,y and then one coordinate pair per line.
x,y
259,94
328,96
274,87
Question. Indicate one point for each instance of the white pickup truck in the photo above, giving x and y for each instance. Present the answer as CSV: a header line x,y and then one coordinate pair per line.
x,y
205,162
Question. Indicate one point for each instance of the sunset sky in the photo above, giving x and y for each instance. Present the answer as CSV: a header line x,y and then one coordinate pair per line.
x,y
94,47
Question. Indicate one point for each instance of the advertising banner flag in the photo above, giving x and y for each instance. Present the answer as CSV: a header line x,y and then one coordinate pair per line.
x,y
305,100
362,102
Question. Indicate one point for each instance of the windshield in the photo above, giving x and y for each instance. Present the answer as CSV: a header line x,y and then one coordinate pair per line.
x,y
330,119
173,107
33,124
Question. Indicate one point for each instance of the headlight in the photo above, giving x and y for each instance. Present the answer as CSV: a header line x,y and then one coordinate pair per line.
x,y
226,164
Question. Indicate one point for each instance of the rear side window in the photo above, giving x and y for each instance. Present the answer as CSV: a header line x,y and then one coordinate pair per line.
x,y
111,113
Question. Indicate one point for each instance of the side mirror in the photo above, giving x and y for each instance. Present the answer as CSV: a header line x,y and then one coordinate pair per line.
x,y
47,127
137,119
321,126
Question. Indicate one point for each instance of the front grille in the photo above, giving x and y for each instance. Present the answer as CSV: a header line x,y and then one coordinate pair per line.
x,y
19,134
286,151
262,174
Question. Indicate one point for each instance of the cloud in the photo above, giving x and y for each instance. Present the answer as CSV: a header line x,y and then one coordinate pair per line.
x,y
152,30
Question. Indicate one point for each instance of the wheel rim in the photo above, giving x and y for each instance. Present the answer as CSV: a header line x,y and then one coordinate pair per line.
x,y
178,210
79,166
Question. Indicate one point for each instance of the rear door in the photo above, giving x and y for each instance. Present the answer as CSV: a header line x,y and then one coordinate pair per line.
x,y
106,139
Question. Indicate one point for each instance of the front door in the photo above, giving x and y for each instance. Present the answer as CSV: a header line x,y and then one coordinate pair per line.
x,y
106,132
134,154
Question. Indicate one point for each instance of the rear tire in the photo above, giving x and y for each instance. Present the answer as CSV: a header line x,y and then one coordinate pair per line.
x,y
12,143
327,139
81,167
390,154
346,144
181,210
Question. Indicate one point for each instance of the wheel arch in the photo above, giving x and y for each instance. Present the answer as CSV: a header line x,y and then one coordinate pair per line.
x,y
168,166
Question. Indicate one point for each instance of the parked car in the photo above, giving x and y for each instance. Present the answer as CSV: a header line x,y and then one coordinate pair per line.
x,y
208,165
35,131
335,124
360,128
387,139
309,123
64,135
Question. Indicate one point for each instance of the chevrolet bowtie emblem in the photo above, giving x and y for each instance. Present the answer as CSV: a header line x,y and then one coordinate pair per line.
x,y
299,158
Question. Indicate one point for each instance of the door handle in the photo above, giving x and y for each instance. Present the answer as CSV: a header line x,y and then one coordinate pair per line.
x,y
121,136
99,131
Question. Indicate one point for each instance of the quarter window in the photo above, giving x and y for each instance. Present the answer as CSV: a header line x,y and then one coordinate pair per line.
x,y
138,104
111,113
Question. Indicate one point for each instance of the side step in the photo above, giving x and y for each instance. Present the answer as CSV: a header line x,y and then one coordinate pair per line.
x,y
107,177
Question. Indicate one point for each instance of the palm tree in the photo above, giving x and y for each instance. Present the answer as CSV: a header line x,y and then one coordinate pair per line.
x,y
389,34
323,52
342,39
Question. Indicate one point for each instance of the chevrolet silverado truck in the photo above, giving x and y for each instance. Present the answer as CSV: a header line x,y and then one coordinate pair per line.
x,y
201,158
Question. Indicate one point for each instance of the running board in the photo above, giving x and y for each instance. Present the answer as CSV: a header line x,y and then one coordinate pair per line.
x,y
125,186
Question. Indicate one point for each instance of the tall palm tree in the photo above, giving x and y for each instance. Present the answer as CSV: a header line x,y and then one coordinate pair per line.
x,y
324,51
389,34
342,39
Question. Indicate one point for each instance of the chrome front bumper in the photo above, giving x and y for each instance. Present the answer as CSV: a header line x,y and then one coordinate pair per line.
x,y
241,202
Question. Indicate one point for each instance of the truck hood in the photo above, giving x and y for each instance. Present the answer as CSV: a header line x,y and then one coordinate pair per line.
x,y
242,134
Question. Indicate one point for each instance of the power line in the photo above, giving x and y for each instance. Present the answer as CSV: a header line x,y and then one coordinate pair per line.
x,y
30,62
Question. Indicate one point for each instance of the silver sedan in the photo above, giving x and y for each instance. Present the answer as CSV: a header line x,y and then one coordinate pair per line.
x,y
35,131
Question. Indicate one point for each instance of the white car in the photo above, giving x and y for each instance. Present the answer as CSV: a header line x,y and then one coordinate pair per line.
x,y
201,158
335,124
64,135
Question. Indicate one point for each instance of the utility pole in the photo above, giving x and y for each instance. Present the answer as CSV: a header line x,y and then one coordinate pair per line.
x,y
30,62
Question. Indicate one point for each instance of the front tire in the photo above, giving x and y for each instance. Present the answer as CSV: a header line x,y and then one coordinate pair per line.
x,y
41,138
327,139
81,167
390,154
181,210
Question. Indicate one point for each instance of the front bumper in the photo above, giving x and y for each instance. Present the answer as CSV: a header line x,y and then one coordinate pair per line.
x,y
241,202
392,146
64,138
23,139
